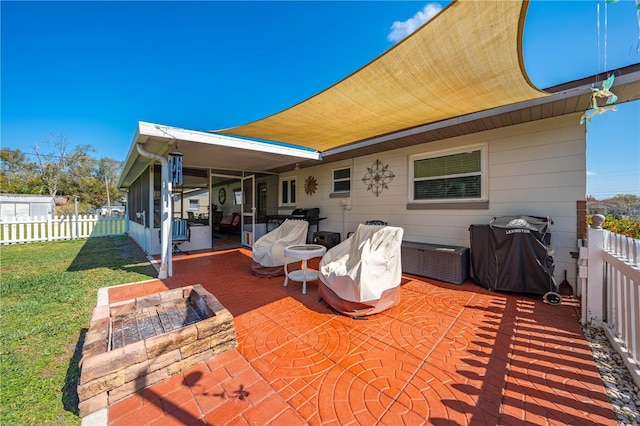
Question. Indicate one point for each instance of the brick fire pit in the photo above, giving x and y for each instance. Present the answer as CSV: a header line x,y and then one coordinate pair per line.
x,y
135,343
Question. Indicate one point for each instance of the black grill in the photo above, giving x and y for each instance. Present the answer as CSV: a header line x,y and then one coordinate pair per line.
x,y
306,214
310,215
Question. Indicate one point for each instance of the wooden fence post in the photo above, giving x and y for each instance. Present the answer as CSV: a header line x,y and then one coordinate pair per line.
x,y
49,227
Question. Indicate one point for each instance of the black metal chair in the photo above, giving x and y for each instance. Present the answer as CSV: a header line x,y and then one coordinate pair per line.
x,y
376,222
371,222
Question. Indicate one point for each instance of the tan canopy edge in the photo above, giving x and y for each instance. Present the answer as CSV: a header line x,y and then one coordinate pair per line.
x,y
466,59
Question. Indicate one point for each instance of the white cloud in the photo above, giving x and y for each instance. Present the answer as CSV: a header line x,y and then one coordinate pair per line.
x,y
591,173
400,30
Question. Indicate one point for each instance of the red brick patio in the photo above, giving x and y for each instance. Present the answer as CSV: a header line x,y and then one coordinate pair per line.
x,y
448,354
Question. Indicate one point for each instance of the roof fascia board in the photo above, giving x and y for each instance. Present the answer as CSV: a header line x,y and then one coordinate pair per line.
x,y
565,94
150,129
131,155
145,130
139,137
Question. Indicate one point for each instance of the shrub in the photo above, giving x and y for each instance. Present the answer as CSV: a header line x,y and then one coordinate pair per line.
x,y
628,227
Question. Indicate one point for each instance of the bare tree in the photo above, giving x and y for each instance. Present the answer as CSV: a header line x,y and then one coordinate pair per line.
x,y
51,166
58,168
62,169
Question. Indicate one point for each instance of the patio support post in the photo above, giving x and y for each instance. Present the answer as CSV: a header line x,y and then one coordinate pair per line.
x,y
165,254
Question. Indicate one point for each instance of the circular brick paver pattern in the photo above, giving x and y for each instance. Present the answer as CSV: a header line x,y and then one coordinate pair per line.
x,y
446,354
368,382
279,353
418,333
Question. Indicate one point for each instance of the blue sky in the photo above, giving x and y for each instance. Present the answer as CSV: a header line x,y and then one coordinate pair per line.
x,y
92,70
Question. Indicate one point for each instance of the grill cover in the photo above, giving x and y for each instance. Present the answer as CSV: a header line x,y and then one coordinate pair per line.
x,y
513,253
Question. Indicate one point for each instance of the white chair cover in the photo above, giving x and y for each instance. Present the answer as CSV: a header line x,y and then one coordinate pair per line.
x,y
362,267
268,250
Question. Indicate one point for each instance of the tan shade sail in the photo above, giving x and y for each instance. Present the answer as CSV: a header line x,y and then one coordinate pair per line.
x,y
466,59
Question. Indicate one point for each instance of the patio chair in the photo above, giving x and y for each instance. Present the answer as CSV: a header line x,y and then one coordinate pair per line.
x,y
361,275
268,257
180,233
230,223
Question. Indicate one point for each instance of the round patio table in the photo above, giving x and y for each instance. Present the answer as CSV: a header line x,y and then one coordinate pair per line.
x,y
303,252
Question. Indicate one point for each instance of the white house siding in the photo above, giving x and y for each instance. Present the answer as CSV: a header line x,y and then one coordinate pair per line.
x,y
535,168
141,235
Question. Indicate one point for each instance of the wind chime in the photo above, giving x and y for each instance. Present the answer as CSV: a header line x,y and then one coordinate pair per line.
x,y
175,167
604,92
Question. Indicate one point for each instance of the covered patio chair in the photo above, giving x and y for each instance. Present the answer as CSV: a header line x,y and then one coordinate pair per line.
x,y
268,251
361,275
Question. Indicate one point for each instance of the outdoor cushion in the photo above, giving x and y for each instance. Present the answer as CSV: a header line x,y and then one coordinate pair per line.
x,y
230,223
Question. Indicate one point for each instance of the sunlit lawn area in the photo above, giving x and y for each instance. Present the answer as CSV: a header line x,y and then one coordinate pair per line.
x,y
47,293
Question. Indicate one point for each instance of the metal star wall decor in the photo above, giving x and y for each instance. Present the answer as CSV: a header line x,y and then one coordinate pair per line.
x,y
378,177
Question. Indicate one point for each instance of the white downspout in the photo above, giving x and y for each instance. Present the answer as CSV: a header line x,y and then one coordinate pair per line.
x,y
165,212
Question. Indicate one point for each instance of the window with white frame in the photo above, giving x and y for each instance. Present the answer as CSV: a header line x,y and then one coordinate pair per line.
x,y
194,204
342,180
449,176
287,191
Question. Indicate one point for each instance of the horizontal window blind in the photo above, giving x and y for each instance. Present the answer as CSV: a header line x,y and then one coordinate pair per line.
x,y
342,174
452,188
455,164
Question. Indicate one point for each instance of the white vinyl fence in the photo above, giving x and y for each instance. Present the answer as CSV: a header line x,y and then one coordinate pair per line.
x,y
52,228
610,275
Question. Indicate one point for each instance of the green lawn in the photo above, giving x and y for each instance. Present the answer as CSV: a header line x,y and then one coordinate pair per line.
x,y
47,293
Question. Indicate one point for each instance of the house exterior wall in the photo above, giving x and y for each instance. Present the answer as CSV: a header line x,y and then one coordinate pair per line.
x,y
141,235
536,169
228,207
